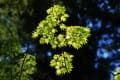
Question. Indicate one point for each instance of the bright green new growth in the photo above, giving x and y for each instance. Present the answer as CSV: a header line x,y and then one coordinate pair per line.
x,y
117,74
62,63
25,67
53,31
49,28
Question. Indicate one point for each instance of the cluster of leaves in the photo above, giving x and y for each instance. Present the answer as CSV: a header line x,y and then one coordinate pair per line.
x,y
53,31
77,36
9,37
14,7
19,69
11,57
47,28
62,63
10,54
117,74
26,67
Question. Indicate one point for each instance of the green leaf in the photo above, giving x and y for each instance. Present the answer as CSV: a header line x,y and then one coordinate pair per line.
x,y
117,74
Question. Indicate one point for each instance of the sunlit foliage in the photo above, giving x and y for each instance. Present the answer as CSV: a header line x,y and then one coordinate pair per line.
x,y
53,31
26,67
117,74
62,63
17,69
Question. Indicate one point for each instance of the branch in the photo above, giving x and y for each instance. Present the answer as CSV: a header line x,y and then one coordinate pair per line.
x,y
22,67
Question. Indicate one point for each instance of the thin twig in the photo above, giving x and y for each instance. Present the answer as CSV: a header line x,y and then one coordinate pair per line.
x,y
22,67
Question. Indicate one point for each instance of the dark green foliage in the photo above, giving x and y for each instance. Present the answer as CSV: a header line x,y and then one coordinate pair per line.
x,y
12,65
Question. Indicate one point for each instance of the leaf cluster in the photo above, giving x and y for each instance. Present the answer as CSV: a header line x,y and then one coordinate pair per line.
x,y
17,69
25,67
53,31
62,63
14,7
